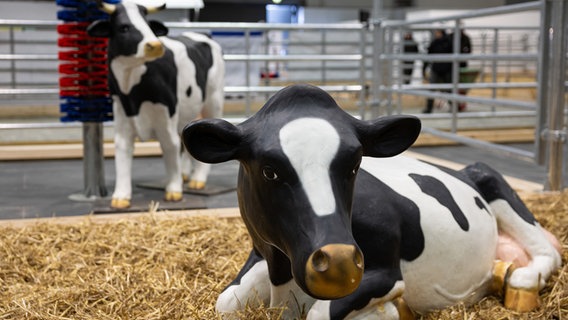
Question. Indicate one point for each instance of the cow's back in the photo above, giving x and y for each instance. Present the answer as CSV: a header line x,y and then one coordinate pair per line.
x,y
200,72
445,224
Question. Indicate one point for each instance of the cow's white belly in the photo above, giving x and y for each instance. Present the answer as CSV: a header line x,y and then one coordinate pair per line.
x,y
152,120
456,264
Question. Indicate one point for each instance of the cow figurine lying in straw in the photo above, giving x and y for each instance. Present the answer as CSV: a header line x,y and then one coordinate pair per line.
x,y
158,84
344,229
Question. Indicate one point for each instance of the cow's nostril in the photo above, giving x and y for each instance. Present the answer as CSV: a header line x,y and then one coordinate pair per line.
x,y
358,259
320,261
334,271
153,49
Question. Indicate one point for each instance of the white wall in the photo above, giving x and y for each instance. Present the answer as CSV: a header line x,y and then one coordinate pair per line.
x,y
28,10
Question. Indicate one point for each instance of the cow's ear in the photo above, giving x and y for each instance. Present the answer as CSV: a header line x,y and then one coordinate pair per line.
x,y
99,28
212,140
388,136
158,28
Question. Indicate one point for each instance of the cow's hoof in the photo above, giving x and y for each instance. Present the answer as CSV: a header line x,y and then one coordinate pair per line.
x,y
501,271
521,300
185,178
404,311
198,185
119,203
173,196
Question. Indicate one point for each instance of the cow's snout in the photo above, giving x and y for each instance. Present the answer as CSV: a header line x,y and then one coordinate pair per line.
x,y
334,271
153,49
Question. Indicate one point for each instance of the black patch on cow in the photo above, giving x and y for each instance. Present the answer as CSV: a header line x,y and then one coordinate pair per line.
x,y
481,205
435,188
460,175
386,226
158,85
201,55
493,186
383,218
188,92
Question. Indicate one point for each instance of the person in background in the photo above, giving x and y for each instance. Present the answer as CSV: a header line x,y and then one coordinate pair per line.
x,y
410,46
465,48
440,71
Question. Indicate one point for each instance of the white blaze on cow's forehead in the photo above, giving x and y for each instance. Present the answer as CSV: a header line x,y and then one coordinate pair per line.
x,y
140,23
311,144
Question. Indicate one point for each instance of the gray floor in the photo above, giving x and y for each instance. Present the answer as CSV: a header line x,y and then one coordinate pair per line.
x,y
31,189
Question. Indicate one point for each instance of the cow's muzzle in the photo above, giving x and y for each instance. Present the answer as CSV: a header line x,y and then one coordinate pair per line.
x,y
153,49
334,271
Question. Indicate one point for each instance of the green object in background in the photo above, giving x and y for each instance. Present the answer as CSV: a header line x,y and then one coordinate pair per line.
x,y
468,75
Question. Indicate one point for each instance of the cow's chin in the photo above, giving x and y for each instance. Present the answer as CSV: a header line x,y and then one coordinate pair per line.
x,y
334,271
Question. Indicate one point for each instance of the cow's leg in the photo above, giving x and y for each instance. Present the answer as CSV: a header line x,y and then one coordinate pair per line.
x,y
515,220
170,143
378,297
251,287
124,146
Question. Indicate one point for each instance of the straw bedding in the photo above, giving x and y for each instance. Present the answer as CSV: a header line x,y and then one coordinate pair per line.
x,y
161,268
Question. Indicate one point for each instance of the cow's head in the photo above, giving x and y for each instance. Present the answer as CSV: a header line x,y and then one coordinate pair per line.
x,y
299,159
131,35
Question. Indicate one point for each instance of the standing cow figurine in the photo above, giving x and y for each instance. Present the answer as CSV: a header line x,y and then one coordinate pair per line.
x,y
344,229
158,84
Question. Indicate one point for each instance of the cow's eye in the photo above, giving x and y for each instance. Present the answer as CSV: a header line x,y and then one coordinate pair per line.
x,y
124,28
269,173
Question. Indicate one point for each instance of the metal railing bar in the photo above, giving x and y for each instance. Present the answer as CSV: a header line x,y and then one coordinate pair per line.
x,y
488,146
37,57
264,26
29,23
460,57
272,89
479,85
479,114
534,5
457,97
296,57
29,91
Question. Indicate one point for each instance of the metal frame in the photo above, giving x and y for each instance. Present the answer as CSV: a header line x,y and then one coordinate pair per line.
x,y
550,108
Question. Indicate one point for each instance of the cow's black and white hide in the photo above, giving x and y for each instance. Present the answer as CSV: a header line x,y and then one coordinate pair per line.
x,y
345,228
158,84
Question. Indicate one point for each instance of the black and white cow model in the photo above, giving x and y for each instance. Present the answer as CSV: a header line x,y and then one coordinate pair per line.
x,y
158,84
344,229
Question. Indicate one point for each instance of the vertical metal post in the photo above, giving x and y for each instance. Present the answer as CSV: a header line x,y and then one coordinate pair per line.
x,y
483,51
323,52
389,68
93,160
494,65
455,74
401,75
509,62
12,62
556,134
378,47
247,73
362,71
266,63
542,84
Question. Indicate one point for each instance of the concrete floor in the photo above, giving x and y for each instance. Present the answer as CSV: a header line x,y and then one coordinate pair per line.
x,y
32,189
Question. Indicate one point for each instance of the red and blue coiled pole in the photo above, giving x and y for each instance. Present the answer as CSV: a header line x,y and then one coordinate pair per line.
x,y
83,84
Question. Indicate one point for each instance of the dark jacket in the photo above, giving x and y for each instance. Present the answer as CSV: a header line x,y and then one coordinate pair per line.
x,y
465,46
438,46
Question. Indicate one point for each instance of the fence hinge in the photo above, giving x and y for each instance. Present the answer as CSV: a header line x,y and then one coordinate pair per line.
x,y
553,135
